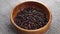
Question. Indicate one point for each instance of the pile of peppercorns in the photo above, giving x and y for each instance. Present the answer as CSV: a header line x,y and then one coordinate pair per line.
x,y
31,18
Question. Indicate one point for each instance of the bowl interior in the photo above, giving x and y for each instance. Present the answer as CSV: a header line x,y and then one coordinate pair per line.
x,y
29,4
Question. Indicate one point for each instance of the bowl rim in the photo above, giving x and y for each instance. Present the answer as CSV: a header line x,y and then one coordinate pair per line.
x,y
12,21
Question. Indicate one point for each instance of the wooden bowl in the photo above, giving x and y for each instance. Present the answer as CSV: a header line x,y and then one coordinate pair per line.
x,y
34,4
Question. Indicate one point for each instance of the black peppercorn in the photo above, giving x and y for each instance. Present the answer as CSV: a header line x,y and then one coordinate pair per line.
x,y
31,18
